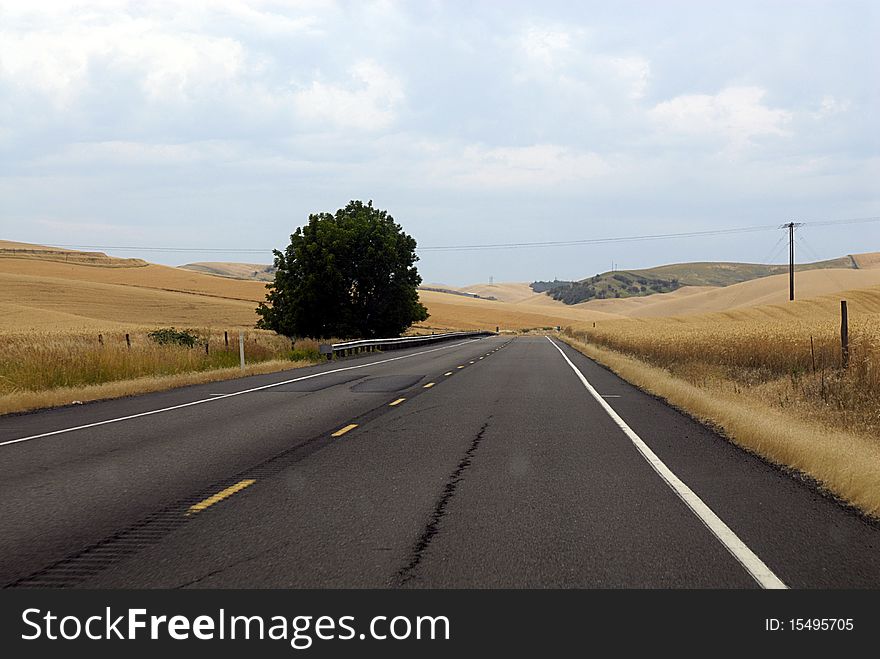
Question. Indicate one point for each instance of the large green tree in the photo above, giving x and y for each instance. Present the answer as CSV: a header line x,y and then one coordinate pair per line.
x,y
348,274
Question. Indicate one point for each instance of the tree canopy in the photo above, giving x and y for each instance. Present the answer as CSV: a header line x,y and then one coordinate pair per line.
x,y
348,274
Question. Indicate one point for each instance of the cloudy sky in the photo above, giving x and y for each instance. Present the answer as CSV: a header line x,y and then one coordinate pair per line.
x,y
222,124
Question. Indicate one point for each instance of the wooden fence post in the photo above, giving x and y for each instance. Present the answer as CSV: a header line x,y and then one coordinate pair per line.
x,y
226,339
241,349
101,340
844,335
128,341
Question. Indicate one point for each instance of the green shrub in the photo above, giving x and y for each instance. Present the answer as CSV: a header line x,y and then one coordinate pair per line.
x,y
169,336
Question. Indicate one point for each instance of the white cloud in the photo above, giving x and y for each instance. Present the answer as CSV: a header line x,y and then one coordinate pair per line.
x,y
830,106
171,51
566,58
547,46
735,115
632,72
60,62
370,102
539,165
119,152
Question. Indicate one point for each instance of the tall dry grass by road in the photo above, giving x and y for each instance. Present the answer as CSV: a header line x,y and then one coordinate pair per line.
x,y
766,386
794,364
52,368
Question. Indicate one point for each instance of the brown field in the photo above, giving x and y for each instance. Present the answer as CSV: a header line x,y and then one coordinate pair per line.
x,y
254,271
47,368
867,261
11,249
47,293
457,312
757,292
56,303
514,293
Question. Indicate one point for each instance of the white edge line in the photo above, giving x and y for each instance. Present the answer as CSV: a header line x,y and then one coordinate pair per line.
x,y
222,396
738,549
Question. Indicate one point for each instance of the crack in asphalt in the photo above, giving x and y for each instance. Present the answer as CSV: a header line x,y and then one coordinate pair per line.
x,y
224,568
408,572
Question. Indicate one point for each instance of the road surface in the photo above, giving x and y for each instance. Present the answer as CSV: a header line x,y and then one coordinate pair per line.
x,y
498,462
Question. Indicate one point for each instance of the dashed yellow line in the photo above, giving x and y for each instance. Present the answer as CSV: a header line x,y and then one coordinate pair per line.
x,y
397,402
342,431
429,385
471,362
459,367
222,494
449,373
480,358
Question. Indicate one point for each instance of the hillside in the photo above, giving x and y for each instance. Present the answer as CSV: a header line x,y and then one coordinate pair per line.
x,y
255,271
61,289
668,278
49,288
15,250
766,296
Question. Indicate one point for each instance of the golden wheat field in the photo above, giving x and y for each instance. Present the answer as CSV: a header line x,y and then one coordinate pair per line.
x,y
795,362
49,368
64,289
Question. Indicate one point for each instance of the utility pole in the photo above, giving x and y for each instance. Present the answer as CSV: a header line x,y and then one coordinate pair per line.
x,y
791,227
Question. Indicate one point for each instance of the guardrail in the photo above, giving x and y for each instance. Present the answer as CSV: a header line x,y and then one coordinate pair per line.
x,y
370,345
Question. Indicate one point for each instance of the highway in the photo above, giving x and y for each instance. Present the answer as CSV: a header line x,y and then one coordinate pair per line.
x,y
495,462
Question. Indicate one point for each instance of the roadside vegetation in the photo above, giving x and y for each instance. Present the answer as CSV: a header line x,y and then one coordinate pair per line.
x,y
777,388
606,286
56,368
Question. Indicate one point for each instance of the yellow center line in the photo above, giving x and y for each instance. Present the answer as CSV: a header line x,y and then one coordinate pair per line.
x,y
222,494
428,386
480,358
397,402
471,362
449,373
459,367
342,431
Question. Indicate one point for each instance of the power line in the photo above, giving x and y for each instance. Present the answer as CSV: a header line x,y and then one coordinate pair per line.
x,y
500,246
598,241
199,250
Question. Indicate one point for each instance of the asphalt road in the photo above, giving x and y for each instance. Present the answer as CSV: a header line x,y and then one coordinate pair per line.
x,y
498,468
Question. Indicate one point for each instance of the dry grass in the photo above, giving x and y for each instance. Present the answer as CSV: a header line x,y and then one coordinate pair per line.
x,y
794,363
22,401
48,304
847,464
756,382
45,369
458,312
770,293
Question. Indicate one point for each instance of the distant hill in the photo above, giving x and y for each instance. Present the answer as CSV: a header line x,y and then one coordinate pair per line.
x,y
52,289
254,271
668,278
14,250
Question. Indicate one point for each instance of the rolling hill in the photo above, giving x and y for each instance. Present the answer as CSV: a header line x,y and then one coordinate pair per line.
x,y
668,278
255,271
47,288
